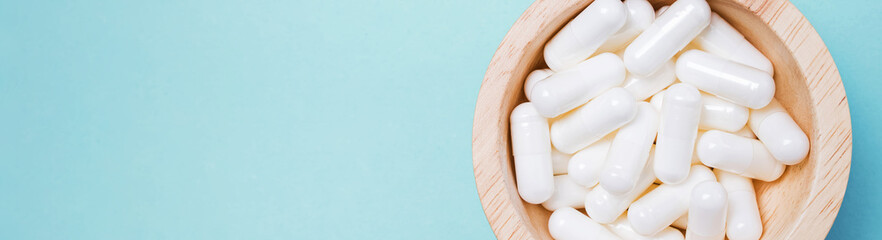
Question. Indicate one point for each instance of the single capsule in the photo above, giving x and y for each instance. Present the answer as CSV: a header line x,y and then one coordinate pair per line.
x,y
680,113
707,212
585,166
640,16
569,89
643,87
587,124
746,132
666,36
623,228
559,161
566,194
681,222
604,206
531,148
779,133
581,37
663,205
738,83
743,220
534,77
629,151
725,41
716,113
569,224
744,156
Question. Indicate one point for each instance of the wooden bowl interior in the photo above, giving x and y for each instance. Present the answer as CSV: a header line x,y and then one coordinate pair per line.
x,y
779,201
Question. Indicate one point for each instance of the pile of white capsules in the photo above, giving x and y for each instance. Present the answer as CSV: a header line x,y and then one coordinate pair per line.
x,y
589,139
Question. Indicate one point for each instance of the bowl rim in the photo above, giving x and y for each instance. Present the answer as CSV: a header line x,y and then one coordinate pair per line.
x,y
832,145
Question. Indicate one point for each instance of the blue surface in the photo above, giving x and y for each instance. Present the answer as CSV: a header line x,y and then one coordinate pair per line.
x,y
290,119
851,31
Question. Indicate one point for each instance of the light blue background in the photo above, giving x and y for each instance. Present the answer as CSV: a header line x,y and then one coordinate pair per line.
x,y
290,119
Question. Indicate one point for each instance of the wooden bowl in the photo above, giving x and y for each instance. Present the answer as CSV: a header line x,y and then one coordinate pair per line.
x,y
802,204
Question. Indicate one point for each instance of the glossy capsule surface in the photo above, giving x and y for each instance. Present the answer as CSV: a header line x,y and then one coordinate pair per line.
x,y
735,82
589,123
531,149
581,37
604,206
569,224
643,87
716,113
680,114
623,228
708,206
779,133
568,89
534,77
629,151
736,154
585,166
743,220
667,35
664,204
566,194
640,16
723,40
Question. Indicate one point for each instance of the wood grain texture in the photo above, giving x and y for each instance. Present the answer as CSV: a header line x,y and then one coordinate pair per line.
x,y
802,204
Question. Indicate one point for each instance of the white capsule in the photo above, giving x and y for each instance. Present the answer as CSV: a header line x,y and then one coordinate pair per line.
x,y
725,41
532,154
604,206
693,161
569,224
643,87
568,89
740,155
743,220
779,133
585,166
566,194
559,161
587,124
716,113
629,151
680,114
581,37
640,16
738,83
623,228
707,212
746,132
534,77
684,20
663,205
